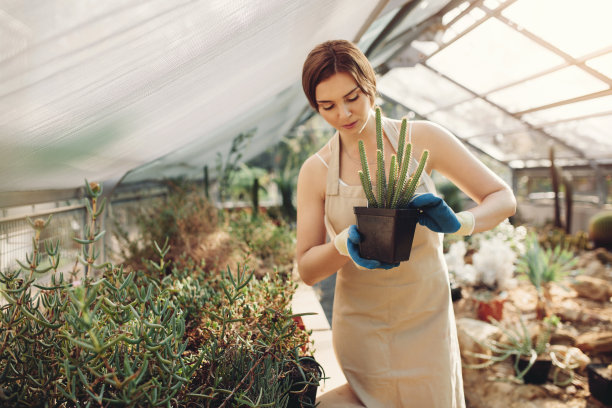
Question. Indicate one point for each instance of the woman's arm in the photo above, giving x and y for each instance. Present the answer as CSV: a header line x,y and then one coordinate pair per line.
x,y
316,259
451,158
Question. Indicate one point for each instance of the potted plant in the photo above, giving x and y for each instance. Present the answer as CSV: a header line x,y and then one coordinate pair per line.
x,y
489,306
600,382
542,267
386,227
531,355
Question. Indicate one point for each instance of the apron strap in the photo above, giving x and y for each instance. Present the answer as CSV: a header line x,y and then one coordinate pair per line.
x,y
333,172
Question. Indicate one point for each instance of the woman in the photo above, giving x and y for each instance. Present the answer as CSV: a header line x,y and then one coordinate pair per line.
x,y
393,326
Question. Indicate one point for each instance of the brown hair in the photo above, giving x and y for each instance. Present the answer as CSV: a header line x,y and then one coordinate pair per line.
x,y
332,57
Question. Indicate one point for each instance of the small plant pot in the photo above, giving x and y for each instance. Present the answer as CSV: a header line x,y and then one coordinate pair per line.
x,y
303,394
490,309
538,373
387,233
455,292
600,383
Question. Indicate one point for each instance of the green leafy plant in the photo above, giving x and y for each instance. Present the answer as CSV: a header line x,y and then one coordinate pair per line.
x,y
271,242
542,266
179,336
399,189
519,344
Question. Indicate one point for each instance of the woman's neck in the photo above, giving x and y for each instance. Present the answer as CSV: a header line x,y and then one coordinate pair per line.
x,y
350,143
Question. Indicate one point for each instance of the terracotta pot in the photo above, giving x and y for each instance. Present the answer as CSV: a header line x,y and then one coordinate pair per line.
x,y
386,233
490,309
600,385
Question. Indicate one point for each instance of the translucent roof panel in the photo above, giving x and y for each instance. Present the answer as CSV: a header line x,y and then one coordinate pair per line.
x,y
526,145
602,64
578,28
596,106
567,83
421,89
537,73
476,117
592,135
483,59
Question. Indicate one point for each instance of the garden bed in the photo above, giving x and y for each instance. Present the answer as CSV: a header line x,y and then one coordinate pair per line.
x,y
586,324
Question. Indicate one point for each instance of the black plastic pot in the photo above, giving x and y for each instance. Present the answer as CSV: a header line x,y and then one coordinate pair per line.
x,y
304,390
599,386
386,233
456,293
538,373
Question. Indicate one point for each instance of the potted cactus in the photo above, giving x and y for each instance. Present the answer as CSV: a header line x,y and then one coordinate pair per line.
x,y
387,228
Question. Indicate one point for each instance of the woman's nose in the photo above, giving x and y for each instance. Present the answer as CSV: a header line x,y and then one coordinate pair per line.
x,y
345,111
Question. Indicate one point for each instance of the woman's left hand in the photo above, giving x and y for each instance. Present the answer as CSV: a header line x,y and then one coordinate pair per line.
x,y
435,214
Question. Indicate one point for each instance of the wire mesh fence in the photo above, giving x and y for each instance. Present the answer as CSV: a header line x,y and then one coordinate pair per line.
x,y
16,236
67,222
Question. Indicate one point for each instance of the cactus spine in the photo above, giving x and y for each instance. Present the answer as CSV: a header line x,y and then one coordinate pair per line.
x,y
400,188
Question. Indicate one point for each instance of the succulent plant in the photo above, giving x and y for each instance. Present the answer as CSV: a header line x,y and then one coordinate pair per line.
x,y
398,190
182,338
600,229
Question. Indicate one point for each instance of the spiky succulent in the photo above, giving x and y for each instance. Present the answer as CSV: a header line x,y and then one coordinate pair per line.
x,y
397,192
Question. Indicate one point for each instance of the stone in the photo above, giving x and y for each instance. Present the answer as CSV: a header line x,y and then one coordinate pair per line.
x,y
529,392
592,288
564,336
569,310
603,255
595,342
470,333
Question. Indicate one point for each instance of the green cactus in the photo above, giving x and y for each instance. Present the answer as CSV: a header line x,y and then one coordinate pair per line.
x,y
600,229
399,190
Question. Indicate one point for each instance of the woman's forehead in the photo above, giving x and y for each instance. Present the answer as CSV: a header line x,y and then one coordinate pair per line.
x,y
336,86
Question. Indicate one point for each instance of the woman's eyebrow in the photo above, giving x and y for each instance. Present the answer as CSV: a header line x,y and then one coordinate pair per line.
x,y
352,90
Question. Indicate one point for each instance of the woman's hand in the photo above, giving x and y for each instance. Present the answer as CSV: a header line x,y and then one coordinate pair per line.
x,y
436,215
347,244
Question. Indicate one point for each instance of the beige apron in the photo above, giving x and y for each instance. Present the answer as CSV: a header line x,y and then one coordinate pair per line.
x,y
394,330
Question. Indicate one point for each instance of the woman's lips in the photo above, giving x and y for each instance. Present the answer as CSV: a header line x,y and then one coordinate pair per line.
x,y
350,125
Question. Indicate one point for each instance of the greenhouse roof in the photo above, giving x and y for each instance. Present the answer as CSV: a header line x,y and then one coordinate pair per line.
x,y
511,77
147,89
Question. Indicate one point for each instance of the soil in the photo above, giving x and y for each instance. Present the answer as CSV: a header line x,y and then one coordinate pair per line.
x,y
494,386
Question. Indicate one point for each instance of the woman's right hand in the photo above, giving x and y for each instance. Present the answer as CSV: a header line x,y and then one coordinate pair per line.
x,y
347,244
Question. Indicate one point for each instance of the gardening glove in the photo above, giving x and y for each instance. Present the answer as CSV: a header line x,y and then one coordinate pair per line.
x,y
436,215
347,244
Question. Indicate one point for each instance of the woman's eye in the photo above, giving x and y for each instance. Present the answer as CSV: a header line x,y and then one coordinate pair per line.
x,y
354,98
329,107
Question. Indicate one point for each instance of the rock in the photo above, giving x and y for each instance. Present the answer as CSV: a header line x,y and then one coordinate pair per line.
x,y
553,390
595,342
592,288
564,336
569,310
603,255
529,392
471,332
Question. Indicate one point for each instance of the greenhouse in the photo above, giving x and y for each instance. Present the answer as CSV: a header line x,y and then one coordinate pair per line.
x,y
156,248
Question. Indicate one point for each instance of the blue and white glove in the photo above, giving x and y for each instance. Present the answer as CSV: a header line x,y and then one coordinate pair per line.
x,y
347,244
439,217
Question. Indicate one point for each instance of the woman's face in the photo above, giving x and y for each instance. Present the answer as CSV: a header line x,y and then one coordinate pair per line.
x,y
343,104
